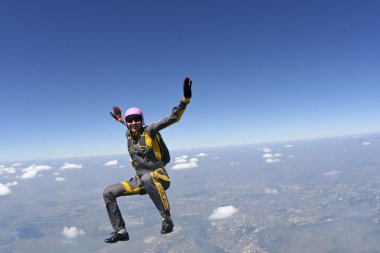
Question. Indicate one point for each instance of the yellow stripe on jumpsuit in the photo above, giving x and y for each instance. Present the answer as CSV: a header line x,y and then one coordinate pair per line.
x,y
154,184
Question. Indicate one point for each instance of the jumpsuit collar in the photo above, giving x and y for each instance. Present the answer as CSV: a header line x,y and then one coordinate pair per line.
x,y
134,135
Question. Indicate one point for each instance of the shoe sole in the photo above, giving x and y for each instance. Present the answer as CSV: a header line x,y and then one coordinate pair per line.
x,y
125,239
122,240
166,232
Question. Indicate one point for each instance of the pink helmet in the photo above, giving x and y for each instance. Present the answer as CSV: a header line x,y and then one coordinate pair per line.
x,y
134,111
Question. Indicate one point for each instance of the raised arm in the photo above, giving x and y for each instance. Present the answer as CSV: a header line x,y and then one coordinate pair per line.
x,y
177,111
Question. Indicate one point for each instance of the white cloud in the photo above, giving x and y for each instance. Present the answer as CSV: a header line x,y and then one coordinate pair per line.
x,y
14,183
33,170
201,154
4,190
366,143
265,150
267,156
291,156
270,160
70,166
72,232
223,212
29,174
17,165
289,146
184,166
9,170
331,173
111,163
270,191
35,167
180,160
60,179
234,163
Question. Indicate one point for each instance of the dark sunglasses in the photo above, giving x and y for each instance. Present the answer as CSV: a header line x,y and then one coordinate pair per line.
x,y
136,118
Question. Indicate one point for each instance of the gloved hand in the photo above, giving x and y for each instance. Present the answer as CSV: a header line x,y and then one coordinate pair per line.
x,y
187,87
116,113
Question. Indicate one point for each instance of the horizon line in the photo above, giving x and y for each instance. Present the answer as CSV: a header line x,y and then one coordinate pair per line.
x,y
200,147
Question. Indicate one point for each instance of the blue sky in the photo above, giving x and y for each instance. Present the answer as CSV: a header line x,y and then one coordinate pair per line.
x,y
262,71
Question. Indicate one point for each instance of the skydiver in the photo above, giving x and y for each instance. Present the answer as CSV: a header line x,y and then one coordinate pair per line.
x,y
149,155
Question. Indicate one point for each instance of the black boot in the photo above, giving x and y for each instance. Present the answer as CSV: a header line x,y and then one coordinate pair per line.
x,y
116,236
167,225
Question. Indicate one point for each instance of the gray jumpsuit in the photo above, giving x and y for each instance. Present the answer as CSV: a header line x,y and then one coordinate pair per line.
x,y
148,156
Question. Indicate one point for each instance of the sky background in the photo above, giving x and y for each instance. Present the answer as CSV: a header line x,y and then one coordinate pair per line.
x,y
262,71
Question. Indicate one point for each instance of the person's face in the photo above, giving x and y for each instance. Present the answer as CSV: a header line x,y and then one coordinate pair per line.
x,y
134,124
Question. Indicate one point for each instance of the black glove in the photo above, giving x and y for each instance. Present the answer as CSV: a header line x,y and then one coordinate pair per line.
x,y
116,113
187,87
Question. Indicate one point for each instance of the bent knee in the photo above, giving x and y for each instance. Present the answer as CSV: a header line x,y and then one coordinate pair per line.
x,y
107,192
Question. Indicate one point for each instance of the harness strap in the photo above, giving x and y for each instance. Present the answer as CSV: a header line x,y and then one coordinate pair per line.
x,y
143,150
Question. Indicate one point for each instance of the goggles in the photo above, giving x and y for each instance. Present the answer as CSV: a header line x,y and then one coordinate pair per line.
x,y
135,118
